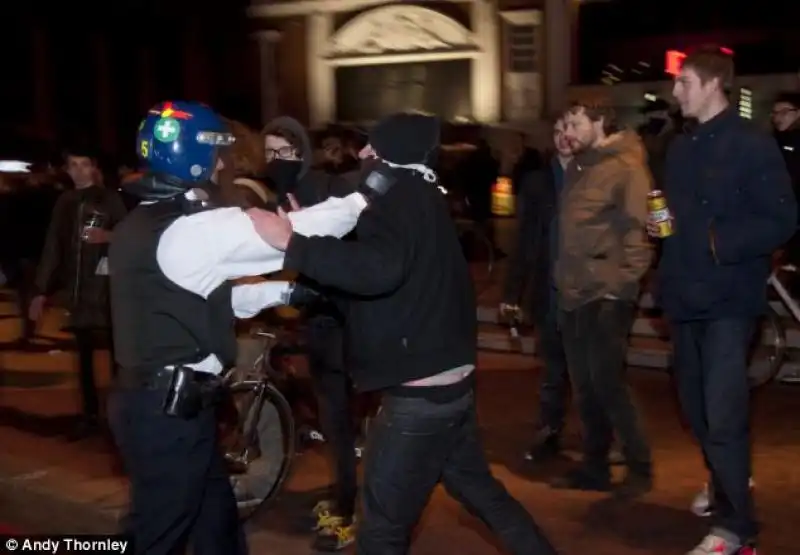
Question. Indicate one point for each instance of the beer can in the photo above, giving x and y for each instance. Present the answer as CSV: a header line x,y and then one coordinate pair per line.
x,y
658,213
95,220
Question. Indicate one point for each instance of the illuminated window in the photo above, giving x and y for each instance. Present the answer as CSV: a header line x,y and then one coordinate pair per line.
x,y
746,103
523,57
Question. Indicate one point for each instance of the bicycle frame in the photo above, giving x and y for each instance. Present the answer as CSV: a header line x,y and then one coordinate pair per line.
x,y
784,294
259,386
249,429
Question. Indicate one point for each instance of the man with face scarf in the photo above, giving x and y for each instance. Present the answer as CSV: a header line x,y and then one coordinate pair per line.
x,y
288,155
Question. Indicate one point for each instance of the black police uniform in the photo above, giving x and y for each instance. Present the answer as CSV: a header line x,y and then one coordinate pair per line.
x,y
180,489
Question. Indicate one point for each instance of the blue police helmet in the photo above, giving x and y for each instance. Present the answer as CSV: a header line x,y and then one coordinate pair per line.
x,y
178,141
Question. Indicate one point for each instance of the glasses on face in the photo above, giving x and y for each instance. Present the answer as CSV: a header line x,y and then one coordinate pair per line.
x,y
282,153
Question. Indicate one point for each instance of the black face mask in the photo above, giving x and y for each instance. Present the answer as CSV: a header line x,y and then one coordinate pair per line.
x,y
283,174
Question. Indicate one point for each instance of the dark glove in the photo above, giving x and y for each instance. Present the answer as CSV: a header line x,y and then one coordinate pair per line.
x,y
376,184
302,295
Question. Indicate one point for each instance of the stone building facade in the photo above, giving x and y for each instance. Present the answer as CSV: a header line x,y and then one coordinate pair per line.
x,y
493,62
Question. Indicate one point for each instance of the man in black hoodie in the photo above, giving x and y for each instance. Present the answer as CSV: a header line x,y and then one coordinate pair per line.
x,y
288,155
411,326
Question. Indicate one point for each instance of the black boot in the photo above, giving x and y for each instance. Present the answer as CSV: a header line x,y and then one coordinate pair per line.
x,y
546,445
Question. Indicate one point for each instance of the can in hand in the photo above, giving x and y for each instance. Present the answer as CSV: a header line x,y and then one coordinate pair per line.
x,y
659,214
95,220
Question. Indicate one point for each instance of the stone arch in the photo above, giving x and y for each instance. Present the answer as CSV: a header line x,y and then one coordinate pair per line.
x,y
400,29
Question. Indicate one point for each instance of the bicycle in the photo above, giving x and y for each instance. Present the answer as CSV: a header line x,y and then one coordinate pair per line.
x,y
763,371
260,448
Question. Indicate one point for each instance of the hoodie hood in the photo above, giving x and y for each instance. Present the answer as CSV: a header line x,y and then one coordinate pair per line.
x,y
625,144
408,141
297,129
404,139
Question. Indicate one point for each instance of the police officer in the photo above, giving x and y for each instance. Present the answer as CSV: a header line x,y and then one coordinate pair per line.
x,y
173,307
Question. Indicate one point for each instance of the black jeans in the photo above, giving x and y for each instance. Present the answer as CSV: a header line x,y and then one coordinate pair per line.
x,y
87,342
554,384
334,398
413,444
710,361
180,489
596,344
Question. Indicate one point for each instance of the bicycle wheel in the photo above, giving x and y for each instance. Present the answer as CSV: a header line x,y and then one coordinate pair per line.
x,y
261,453
769,350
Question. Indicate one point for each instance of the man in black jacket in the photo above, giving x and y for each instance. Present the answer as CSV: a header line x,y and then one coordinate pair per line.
x,y
288,155
731,197
786,120
530,273
411,320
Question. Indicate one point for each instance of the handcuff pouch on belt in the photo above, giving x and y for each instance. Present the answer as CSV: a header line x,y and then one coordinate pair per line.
x,y
186,396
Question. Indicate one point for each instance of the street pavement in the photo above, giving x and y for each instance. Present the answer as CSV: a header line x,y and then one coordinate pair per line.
x,y
48,485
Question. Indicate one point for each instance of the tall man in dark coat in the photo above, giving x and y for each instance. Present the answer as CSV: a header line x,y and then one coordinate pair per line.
x,y
731,198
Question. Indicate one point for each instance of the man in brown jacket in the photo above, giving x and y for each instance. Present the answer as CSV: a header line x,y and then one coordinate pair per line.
x,y
603,253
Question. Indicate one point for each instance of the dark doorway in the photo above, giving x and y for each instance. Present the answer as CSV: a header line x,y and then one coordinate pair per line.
x,y
366,93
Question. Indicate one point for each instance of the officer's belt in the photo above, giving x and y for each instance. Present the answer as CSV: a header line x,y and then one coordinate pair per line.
x,y
159,378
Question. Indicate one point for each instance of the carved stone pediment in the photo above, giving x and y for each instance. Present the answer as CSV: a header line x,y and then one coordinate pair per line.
x,y
399,29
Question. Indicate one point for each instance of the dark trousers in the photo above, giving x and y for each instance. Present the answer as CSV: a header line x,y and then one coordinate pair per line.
x,y
87,342
22,279
413,444
180,489
596,344
554,385
334,399
710,361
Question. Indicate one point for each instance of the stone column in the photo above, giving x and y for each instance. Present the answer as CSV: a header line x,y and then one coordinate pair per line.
x,y
106,131
42,100
321,76
558,17
485,79
267,44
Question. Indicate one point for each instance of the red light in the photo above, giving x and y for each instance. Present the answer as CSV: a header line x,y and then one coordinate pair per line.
x,y
674,59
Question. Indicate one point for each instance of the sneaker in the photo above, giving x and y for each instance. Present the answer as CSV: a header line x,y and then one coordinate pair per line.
x,y
339,533
703,502
702,505
546,445
716,544
323,514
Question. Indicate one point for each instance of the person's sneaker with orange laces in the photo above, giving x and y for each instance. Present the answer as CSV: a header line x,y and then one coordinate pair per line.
x,y
338,533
